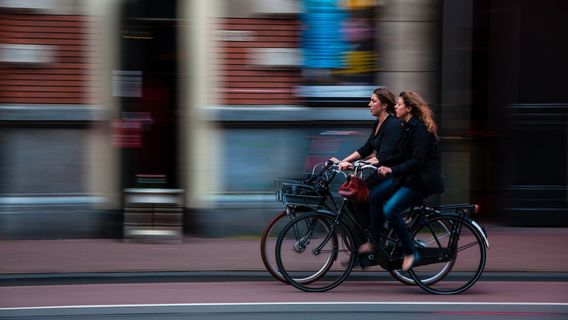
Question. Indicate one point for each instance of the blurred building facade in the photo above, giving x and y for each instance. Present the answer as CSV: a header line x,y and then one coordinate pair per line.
x,y
48,107
176,116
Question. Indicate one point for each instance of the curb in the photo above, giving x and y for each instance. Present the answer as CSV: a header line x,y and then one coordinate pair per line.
x,y
39,279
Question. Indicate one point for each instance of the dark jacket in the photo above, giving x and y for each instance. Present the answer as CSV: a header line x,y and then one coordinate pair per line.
x,y
385,141
416,163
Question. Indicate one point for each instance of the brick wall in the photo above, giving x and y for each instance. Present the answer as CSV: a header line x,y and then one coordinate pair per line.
x,y
64,80
246,84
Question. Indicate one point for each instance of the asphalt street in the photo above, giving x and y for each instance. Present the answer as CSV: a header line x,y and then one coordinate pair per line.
x,y
271,299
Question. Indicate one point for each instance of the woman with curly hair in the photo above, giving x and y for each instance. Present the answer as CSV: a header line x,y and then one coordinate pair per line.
x,y
412,173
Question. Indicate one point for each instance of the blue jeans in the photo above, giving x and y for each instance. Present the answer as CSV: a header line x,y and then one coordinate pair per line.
x,y
388,201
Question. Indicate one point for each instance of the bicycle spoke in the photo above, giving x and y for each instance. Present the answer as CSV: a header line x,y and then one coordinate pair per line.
x,y
465,268
315,257
467,246
432,235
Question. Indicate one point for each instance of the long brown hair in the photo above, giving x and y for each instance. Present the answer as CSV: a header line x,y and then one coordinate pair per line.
x,y
386,96
421,110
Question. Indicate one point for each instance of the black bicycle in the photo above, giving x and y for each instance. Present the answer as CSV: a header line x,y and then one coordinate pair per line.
x,y
316,183
307,194
317,250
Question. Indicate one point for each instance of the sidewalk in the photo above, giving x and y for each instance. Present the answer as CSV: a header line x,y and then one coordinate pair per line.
x,y
511,250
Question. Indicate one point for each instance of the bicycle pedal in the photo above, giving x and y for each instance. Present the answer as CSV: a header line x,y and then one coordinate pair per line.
x,y
367,259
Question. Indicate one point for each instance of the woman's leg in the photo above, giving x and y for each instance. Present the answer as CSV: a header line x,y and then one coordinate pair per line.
x,y
402,199
377,196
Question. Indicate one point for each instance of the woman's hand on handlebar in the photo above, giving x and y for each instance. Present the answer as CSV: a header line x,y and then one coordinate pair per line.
x,y
372,161
344,165
384,171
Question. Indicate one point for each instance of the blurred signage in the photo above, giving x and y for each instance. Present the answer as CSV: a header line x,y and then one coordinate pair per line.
x,y
27,53
277,7
339,51
234,35
275,57
126,134
322,39
335,91
28,4
126,83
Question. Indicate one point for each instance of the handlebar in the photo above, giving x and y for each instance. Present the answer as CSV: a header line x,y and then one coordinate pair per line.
x,y
364,165
359,165
333,167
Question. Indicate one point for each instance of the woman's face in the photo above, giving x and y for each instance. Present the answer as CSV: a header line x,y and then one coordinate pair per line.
x,y
401,110
375,105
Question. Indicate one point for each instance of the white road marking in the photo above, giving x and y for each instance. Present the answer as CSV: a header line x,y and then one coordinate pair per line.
x,y
562,304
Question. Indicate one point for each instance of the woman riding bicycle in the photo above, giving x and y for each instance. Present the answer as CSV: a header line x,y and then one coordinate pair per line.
x,y
381,143
412,173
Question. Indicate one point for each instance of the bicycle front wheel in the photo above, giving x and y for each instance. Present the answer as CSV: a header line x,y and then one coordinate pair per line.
x,y
311,247
449,239
268,243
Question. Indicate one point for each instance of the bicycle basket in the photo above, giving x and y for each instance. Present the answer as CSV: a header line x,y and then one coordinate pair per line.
x,y
294,192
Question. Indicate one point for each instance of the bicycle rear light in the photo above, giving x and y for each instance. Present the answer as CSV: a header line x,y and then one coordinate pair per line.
x,y
476,208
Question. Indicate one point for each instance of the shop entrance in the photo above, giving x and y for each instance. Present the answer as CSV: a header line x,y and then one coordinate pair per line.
x,y
146,83
147,130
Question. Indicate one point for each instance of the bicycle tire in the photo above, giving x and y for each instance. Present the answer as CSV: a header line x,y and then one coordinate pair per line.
x,y
406,278
465,275
265,247
270,235
317,230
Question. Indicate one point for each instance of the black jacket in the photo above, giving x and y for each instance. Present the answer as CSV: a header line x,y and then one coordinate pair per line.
x,y
416,163
385,141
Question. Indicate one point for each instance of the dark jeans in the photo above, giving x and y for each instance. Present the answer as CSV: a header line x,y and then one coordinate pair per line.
x,y
360,210
388,201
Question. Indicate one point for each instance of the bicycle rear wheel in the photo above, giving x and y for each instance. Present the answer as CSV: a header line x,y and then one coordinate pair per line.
x,y
437,273
467,254
312,247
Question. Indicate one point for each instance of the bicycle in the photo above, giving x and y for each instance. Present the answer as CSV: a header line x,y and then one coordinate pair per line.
x,y
317,182
310,244
299,205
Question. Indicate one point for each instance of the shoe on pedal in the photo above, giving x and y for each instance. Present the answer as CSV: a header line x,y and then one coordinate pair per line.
x,y
366,247
410,261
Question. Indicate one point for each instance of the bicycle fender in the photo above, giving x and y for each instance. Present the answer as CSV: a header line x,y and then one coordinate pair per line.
x,y
481,231
473,223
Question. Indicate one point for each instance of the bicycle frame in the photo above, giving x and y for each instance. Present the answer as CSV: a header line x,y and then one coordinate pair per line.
x,y
331,230
389,258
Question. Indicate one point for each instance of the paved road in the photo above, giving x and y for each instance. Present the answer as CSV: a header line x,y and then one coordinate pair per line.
x,y
268,299
327,311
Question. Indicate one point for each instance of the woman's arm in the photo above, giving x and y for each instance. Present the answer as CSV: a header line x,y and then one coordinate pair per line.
x,y
391,135
419,143
352,157
346,163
